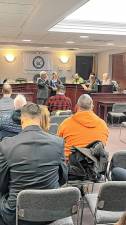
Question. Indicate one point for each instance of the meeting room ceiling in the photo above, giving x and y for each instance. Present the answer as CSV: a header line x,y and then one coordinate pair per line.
x,y
25,24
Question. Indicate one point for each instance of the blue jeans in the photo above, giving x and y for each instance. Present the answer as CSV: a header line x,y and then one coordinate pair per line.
x,y
118,174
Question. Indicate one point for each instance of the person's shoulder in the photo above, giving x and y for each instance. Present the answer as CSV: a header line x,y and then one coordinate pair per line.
x,y
7,143
68,98
55,139
52,98
66,122
101,121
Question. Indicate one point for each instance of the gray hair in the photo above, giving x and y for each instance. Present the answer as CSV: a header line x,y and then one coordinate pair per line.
x,y
19,101
43,73
85,102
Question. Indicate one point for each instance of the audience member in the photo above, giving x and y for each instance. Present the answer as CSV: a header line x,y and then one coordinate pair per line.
x,y
10,124
43,88
33,159
122,220
54,82
59,101
6,102
83,127
45,118
77,79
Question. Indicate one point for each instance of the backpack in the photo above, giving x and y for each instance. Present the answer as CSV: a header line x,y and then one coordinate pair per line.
x,y
88,163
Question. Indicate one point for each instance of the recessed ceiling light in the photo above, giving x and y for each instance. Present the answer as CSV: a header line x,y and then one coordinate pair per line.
x,y
70,42
26,40
84,36
110,44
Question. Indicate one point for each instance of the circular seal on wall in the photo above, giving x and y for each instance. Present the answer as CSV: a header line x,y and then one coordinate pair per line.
x,y
38,62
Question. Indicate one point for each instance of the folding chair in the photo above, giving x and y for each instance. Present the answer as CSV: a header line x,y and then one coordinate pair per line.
x,y
117,113
48,205
58,119
118,160
109,204
53,128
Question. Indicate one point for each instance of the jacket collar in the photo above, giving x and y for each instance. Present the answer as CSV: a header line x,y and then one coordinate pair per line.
x,y
32,128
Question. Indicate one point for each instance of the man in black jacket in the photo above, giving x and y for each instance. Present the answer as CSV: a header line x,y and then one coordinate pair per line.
x,y
33,159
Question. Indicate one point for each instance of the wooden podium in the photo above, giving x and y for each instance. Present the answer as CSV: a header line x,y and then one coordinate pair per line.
x,y
73,91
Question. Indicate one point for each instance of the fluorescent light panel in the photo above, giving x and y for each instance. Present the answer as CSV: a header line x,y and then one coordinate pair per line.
x,y
96,16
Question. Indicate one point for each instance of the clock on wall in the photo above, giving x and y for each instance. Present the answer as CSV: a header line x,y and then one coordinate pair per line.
x,y
38,62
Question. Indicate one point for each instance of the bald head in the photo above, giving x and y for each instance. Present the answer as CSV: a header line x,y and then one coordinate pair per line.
x,y
7,90
85,102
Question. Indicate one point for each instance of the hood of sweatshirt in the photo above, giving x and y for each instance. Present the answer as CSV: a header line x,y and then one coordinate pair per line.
x,y
16,116
86,118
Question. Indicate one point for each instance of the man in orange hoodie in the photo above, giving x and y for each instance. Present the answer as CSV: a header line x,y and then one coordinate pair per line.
x,y
83,127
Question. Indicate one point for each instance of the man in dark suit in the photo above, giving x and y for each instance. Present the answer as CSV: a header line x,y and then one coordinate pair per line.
x,y
33,159
43,88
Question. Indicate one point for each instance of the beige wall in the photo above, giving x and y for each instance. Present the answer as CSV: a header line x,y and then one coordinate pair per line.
x,y
16,69
11,70
103,60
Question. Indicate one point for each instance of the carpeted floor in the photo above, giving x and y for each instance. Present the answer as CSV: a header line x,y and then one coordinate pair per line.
x,y
113,145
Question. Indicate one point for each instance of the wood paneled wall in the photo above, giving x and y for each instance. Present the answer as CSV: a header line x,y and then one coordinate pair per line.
x,y
119,69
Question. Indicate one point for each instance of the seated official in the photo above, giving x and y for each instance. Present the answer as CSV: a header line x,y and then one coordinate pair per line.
x,y
77,79
97,80
10,124
33,159
83,127
6,102
59,101
91,84
107,81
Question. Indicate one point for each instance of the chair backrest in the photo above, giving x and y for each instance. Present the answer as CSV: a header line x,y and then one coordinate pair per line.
x,y
58,119
53,128
63,112
47,205
119,107
112,196
118,160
